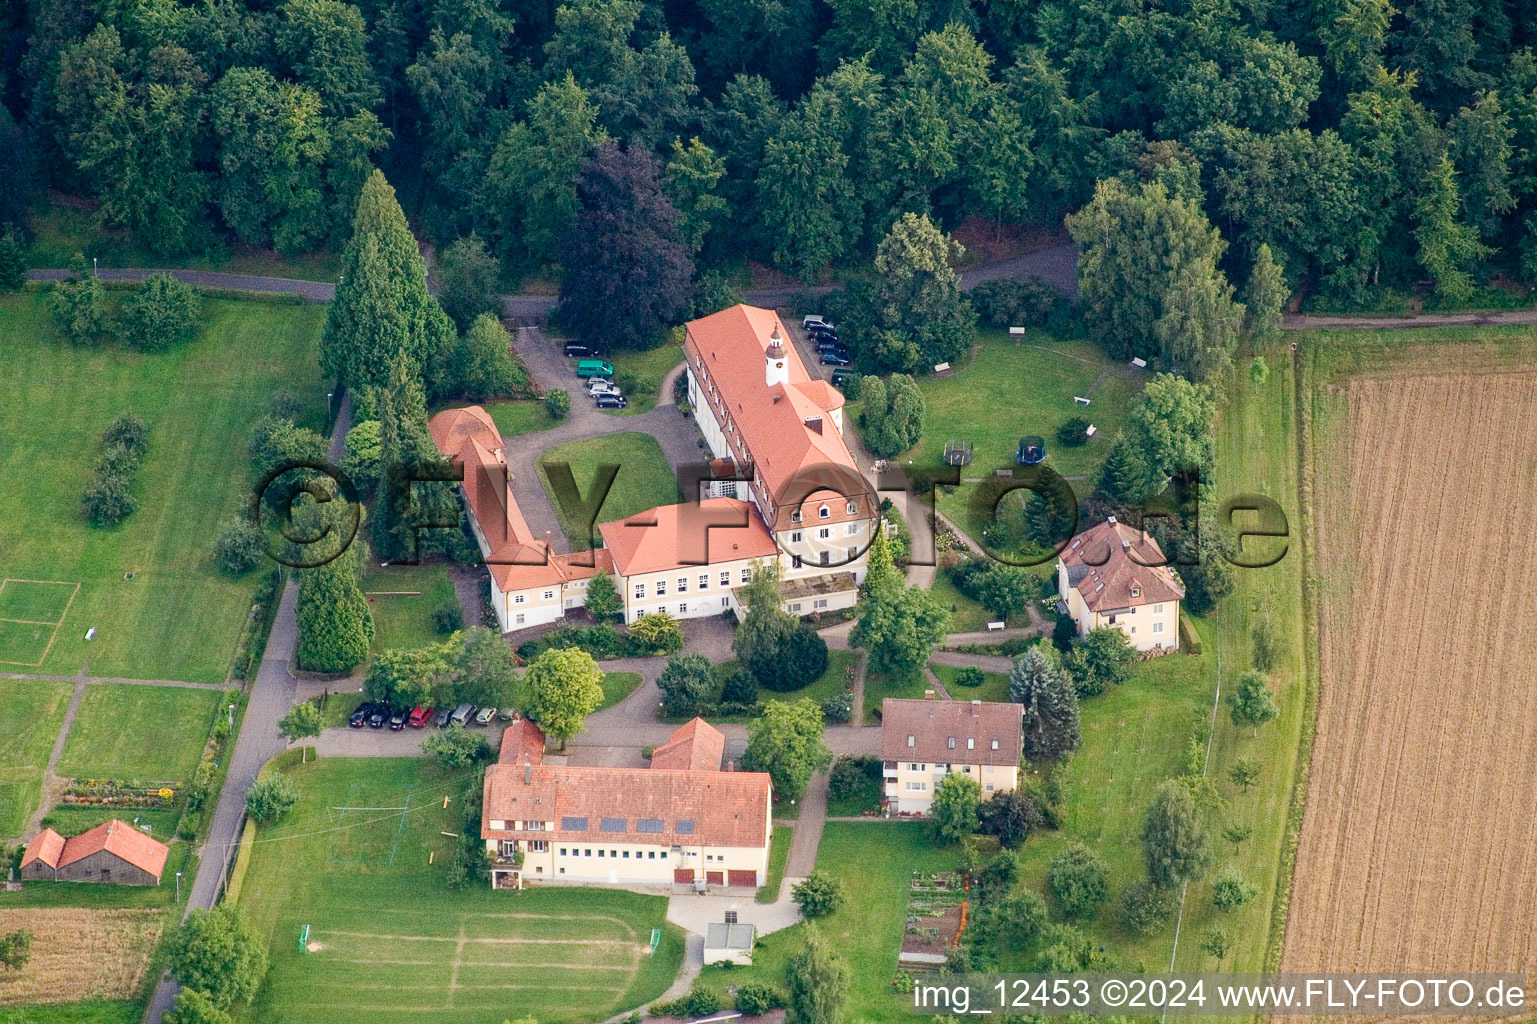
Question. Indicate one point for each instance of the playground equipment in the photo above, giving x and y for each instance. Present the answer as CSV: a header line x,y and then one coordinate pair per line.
x,y
1032,449
957,453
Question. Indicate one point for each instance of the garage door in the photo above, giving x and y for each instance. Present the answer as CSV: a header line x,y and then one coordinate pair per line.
x,y
715,877
746,879
683,876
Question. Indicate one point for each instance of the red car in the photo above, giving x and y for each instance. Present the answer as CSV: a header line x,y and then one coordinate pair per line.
x,y
420,716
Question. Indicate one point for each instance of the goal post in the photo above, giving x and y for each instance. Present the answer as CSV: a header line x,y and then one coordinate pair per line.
x,y
304,939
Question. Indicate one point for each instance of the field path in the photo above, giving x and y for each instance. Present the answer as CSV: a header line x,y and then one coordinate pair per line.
x,y
53,785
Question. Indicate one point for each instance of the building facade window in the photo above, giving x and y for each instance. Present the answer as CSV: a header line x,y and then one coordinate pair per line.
x,y
640,591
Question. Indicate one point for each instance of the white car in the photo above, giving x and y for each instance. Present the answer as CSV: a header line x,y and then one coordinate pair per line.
x,y
596,385
604,389
807,323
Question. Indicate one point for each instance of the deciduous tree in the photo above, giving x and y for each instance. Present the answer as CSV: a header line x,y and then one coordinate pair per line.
x,y
891,418
603,599
218,952
1079,881
1174,840
1251,704
786,742
161,312
1101,658
685,683
270,797
818,894
1010,816
954,811
564,686
467,276
817,980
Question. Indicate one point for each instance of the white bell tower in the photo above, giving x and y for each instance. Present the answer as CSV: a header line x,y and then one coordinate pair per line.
x,y
776,368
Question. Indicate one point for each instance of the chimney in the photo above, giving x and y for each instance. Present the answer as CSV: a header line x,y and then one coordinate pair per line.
x,y
528,773
976,707
928,694
814,423
1110,520
730,766
1125,545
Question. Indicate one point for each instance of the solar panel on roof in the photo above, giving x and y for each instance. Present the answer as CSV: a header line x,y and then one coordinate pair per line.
x,y
573,824
613,825
684,827
648,825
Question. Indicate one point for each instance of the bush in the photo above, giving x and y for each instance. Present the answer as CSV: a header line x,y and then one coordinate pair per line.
x,y
128,432
159,313
448,617
190,823
970,676
739,688
1146,908
700,1002
240,548
757,997
818,895
839,710
1079,881
79,310
851,774
657,633
106,501
557,404
1072,433
801,659
269,798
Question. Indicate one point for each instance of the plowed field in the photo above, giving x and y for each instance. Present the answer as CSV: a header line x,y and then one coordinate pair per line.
x,y
80,954
1419,843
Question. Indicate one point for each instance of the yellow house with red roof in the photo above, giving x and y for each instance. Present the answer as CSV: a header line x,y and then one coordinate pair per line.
x,y
1114,575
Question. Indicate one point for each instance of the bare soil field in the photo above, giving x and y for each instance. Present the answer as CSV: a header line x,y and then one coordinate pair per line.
x,y
80,954
1418,848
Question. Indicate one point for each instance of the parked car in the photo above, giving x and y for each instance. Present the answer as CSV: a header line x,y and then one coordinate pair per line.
x,y
398,719
359,717
604,389
612,402
420,716
835,359
441,721
461,714
484,716
593,368
822,333
814,320
824,345
578,350
504,714
378,716
595,383
840,375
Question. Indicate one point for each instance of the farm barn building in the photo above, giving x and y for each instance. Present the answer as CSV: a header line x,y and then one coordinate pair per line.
x,y
679,822
922,741
1114,575
114,852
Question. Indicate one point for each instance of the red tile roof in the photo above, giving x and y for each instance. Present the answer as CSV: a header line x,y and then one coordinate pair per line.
x,y
684,536
786,428
116,837
657,806
941,729
1110,561
46,846
518,560
522,743
696,746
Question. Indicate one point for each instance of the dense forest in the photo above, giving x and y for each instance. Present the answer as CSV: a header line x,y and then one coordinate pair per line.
x,y
1363,144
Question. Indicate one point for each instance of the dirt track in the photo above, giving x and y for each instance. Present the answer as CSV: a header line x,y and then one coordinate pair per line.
x,y
1419,842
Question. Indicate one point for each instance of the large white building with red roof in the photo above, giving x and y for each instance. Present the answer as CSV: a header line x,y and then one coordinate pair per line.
x,y
781,431
685,820
1114,575
797,498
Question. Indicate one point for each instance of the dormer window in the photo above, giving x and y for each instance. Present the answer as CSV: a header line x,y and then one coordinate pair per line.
x,y
824,512
912,740
995,744
1136,591
951,743
853,508
795,516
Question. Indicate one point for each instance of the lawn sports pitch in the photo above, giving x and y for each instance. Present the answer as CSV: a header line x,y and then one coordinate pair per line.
x,y
31,612
423,960
350,891
1416,845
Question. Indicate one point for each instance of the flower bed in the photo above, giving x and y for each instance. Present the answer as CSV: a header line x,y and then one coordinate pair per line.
x,y
121,793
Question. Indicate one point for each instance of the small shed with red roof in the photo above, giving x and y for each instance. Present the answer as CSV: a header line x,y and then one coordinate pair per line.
x,y
113,852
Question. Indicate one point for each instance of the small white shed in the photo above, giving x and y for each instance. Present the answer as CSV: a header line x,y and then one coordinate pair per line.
x,y
731,942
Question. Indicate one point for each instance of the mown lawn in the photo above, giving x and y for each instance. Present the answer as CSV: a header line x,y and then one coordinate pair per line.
x,y
875,862
177,618
32,710
644,480
371,886
779,853
1135,736
145,733
74,1013
648,368
995,685
521,417
880,685
402,599
1029,385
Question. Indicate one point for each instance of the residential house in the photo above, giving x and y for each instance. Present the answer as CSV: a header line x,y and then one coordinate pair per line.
x,y
680,822
1115,575
113,852
922,741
